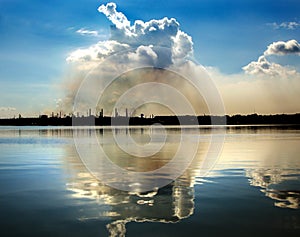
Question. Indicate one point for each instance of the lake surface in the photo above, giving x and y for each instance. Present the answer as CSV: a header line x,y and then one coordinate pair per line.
x,y
242,181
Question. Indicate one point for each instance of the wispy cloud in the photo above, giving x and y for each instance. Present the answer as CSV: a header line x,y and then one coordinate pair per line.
x,y
7,109
292,25
84,31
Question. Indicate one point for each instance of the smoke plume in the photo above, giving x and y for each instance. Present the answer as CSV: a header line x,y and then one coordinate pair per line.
x,y
156,51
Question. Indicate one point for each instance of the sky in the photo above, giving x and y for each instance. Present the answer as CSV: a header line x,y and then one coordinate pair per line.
x,y
250,48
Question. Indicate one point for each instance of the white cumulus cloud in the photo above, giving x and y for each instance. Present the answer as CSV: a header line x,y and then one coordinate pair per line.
x,y
144,54
161,43
283,48
97,52
162,38
264,67
156,43
117,18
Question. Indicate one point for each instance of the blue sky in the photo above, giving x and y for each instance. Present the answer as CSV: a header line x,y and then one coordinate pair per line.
x,y
37,36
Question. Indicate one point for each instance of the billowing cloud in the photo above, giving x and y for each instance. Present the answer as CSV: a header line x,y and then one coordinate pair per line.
x,y
263,86
83,31
97,52
157,43
263,67
160,43
117,18
292,25
283,48
171,44
144,54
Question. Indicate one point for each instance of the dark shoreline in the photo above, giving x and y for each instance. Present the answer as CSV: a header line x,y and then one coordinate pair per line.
x,y
252,119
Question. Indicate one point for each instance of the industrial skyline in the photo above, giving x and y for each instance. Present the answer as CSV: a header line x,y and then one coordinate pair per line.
x,y
258,69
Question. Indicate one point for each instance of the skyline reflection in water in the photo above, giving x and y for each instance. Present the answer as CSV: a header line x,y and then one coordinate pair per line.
x,y
267,157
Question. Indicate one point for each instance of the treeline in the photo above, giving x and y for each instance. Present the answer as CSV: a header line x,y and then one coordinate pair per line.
x,y
254,119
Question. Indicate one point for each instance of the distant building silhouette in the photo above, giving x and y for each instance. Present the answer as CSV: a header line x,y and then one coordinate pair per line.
x,y
251,119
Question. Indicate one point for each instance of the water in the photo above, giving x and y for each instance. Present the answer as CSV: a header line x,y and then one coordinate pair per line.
x,y
253,189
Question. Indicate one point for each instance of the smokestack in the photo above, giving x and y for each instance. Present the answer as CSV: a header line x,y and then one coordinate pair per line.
x,y
116,112
101,113
90,112
126,113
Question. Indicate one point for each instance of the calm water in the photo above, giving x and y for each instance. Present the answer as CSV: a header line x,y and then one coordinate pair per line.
x,y
253,189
